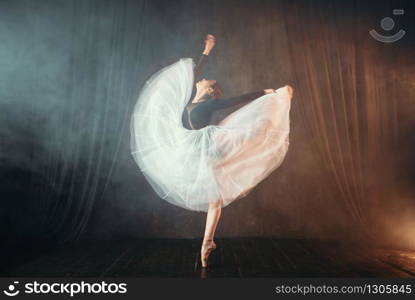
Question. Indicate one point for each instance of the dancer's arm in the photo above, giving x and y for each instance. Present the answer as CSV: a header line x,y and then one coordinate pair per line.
x,y
202,112
242,99
199,66
210,43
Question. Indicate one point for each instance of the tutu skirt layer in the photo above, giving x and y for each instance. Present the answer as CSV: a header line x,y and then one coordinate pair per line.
x,y
190,168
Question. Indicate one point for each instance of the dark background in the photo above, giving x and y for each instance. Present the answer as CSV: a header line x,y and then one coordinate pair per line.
x,y
70,73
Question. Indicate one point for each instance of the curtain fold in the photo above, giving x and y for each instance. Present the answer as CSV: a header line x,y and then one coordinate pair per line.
x,y
347,100
84,123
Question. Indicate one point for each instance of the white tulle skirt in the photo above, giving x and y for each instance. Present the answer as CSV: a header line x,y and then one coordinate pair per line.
x,y
190,168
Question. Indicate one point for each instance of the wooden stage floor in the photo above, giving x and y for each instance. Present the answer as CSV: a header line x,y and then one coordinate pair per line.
x,y
234,257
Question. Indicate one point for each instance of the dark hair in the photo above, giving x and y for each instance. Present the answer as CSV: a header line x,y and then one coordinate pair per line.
x,y
217,91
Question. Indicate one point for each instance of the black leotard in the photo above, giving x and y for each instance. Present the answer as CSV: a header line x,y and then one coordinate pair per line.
x,y
199,115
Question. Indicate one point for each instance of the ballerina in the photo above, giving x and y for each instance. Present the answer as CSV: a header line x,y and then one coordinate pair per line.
x,y
199,165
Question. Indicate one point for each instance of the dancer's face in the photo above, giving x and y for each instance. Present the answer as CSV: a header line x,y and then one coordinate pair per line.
x,y
205,87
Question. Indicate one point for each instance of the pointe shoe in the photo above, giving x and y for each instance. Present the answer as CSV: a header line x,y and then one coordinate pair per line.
x,y
207,248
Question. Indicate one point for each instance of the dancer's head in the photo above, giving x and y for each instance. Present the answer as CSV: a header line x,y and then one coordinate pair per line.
x,y
207,89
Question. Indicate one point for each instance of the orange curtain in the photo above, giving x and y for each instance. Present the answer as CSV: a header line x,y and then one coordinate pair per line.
x,y
347,88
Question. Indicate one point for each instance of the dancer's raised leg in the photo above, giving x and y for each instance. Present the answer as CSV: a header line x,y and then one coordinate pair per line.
x,y
212,220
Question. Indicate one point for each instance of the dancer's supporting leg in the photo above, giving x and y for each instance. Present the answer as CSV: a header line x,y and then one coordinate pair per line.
x,y
212,220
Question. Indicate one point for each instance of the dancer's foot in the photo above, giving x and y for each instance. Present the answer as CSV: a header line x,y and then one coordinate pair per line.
x,y
207,247
290,90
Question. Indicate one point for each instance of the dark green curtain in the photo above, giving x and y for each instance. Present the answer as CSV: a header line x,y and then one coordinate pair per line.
x,y
68,82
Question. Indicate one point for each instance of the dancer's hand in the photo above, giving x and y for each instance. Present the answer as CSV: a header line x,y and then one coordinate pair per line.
x,y
210,42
